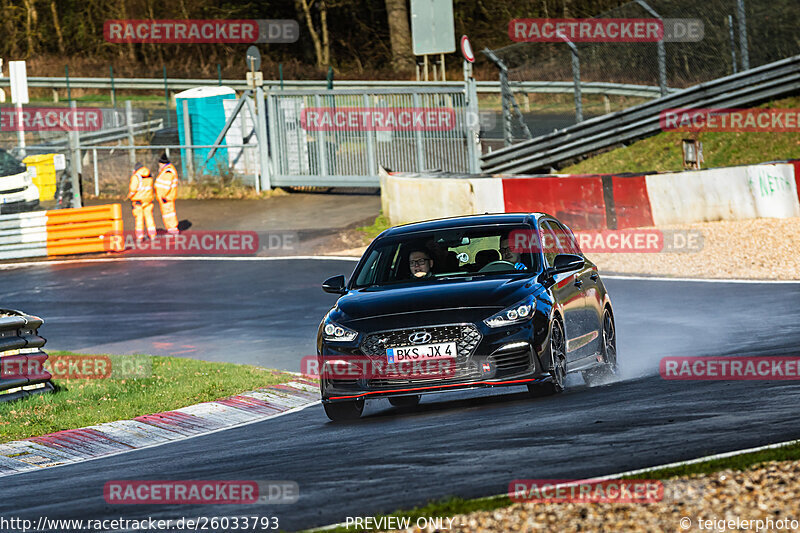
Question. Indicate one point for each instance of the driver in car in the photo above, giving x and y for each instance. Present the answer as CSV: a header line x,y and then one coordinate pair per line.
x,y
511,256
421,264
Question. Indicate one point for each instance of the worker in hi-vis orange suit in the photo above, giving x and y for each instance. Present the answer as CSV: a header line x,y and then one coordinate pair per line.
x,y
166,191
140,193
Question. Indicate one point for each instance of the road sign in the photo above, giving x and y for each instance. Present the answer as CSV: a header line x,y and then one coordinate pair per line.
x,y
432,27
253,58
19,82
466,49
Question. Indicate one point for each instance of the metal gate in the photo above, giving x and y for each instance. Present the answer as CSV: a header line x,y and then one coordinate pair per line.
x,y
340,137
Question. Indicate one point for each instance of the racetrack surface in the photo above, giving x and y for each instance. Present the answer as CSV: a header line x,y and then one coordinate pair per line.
x,y
464,444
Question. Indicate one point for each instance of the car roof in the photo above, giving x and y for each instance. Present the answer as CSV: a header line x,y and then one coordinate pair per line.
x,y
488,219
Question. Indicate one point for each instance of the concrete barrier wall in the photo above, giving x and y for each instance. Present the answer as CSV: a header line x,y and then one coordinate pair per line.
x,y
411,198
603,201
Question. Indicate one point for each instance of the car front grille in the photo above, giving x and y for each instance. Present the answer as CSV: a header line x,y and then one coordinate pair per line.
x,y
466,336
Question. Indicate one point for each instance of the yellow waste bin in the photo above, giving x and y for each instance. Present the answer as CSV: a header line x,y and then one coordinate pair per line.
x,y
44,178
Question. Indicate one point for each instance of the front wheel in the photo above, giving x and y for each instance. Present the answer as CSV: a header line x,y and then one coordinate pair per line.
x,y
344,411
557,363
608,369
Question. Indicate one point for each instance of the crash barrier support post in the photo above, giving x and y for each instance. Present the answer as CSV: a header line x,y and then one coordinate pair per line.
x,y
22,370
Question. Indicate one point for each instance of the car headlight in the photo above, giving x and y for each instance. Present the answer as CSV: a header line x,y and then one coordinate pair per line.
x,y
519,312
331,331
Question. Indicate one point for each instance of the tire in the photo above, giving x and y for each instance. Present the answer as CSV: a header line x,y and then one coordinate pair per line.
x,y
608,370
344,411
557,364
405,402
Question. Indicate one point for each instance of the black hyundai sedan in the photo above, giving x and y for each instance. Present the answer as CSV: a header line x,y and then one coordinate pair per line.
x,y
461,303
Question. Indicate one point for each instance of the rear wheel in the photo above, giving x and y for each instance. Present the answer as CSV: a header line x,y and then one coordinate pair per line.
x,y
605,372
343,411
405,402
557,364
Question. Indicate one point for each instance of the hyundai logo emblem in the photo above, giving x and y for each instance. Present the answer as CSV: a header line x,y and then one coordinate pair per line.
x,y
420,337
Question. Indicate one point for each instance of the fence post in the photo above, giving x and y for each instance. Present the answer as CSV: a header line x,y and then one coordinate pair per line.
x,y
69,92
576,79
129,125
113,92
418,138
740,14
321,148
75,166
733,45
187,139
473,125
94,166
263,151
166,96
662,53
371,166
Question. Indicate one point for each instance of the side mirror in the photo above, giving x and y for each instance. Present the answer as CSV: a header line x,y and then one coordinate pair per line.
x,y
334,285
566,263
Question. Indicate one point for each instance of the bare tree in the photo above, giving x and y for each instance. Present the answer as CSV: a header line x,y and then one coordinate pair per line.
x,y
322,48
57,26
399,35
31,18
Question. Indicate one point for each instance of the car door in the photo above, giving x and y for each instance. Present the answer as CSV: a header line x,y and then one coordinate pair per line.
x,y
566,289
588,342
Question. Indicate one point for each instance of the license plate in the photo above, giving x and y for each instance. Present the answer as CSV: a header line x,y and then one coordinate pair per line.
x,y
421,352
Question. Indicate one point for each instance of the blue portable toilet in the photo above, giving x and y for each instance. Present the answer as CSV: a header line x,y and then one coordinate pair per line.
x,y
207,118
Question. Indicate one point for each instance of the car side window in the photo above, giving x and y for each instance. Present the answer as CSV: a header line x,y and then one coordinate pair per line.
x,y
549,242
568,244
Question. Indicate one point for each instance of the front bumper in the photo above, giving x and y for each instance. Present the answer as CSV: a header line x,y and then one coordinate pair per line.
x,y
487,357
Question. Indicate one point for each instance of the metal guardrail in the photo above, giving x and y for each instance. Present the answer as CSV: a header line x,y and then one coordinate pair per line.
x,y
547,87
21,357
781,78
103,136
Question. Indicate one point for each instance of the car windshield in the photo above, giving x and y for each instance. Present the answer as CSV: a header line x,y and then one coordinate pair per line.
x,y
444,254
9,165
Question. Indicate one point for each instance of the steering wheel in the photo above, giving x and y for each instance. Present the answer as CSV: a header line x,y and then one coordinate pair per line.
x,y
497,266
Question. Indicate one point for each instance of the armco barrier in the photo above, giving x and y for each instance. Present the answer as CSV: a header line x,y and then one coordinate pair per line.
x,y
768,190
59,232
22,360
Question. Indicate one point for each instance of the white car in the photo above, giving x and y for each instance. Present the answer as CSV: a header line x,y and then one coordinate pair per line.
x,y
17,191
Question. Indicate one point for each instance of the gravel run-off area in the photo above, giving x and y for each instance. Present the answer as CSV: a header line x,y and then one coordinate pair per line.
x,y
767,492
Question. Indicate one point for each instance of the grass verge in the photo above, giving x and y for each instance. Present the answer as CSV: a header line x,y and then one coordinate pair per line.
x,y
456,506
158,384
663,152
381,223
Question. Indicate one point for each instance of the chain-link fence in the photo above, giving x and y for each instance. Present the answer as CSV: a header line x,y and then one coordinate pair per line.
x,y
769,35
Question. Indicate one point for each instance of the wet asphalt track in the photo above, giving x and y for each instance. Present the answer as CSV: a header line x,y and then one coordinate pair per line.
x,y
462,444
